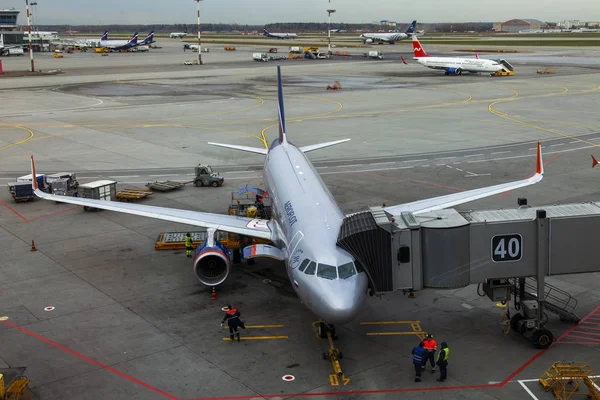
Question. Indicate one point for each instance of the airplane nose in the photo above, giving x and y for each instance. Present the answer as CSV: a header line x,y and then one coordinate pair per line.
x,y
342,302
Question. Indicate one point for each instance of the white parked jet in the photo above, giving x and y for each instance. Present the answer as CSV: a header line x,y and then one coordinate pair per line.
x,y
177,35
388,37
304,229
118,44
454,65
279,35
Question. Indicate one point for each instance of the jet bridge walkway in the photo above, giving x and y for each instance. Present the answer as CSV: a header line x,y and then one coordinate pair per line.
x,y
509,251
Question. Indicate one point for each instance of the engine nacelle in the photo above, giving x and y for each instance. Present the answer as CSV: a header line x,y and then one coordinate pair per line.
x,y
211,264
369,41
453,71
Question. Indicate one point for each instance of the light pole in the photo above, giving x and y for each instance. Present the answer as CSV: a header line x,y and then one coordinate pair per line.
x,y
329,12
199,41
29,25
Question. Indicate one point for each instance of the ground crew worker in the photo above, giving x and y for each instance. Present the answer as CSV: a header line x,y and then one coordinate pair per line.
x,y
442,361
189,247
418,353
232,316
430,348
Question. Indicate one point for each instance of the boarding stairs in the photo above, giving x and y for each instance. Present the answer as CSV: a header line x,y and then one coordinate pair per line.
x,y
506,66
555,300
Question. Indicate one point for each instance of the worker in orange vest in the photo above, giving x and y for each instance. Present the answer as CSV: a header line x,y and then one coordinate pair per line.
x,y
430,349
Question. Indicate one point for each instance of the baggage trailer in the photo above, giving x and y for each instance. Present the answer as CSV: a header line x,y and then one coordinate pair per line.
x,y
98,190
21,191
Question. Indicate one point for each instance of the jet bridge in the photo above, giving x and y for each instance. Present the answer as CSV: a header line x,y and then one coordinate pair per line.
x,y
509,252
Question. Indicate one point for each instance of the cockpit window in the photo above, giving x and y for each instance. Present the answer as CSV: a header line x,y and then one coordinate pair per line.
x,y
346,270
302,266
312,267
327,271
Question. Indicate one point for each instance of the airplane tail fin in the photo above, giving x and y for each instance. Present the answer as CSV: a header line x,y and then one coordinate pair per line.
x,y
104,36
134,39
265,32
477,56
403,62
411,28
282,134
594,161
418,49
149,38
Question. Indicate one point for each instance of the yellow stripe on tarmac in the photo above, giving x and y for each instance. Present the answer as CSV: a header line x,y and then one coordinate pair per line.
x,y
389,322
393,333
257,338
259,326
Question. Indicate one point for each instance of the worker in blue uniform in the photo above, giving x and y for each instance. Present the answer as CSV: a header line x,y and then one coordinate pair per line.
x,y
418,354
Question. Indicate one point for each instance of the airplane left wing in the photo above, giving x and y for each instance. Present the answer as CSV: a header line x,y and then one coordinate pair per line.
x,y
441,202
258,228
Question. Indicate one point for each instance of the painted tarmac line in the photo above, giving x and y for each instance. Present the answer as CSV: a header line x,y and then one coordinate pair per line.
x,y
527,390
258,338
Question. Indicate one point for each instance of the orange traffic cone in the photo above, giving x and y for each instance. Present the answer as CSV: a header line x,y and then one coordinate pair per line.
x,y
594,161
33,246
213,295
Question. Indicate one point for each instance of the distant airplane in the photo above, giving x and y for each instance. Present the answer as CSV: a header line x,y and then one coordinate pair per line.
x,y
177,35
5,49
390,38
149,39
279,35
453,65
304,232
118,44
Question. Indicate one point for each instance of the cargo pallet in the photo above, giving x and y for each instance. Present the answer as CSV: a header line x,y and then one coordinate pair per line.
x,y
133,194
165,186
503,73
176,240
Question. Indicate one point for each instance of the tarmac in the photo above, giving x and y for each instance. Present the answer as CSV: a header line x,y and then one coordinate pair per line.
x,y
126,321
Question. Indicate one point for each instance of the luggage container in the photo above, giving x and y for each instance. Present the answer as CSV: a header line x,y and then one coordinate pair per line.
x,y
98,190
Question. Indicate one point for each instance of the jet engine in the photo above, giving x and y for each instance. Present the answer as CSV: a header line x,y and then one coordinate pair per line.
x,y
212,263
369,41
453,71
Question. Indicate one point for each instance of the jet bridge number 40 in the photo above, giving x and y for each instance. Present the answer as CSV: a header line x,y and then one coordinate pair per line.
x,y
508,247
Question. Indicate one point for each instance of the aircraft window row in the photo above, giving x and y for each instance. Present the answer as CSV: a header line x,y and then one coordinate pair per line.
x,y
329,271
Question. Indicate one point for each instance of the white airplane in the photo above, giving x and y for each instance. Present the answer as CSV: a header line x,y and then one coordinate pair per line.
x,y
118,44
304,229
388,37
279,35
453,65
177,35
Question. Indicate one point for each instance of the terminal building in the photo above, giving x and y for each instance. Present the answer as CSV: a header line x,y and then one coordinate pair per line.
x,y
9,30
516,25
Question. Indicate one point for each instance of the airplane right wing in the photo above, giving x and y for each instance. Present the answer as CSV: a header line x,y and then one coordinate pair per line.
x,y
258,228
441,202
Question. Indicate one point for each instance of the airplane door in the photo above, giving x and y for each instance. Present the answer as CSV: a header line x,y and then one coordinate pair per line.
x,y
295,252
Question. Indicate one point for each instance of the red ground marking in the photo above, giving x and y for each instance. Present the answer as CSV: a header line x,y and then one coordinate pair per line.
x,y
338,393
14,211
55,213
92,361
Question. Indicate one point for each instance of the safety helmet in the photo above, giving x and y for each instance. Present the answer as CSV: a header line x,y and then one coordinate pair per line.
x,y
187,234
429,336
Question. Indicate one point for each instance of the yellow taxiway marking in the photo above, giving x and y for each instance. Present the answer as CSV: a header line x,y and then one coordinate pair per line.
x,y
388,322
392,333
260,326
257,338
335,381
31,134
3,318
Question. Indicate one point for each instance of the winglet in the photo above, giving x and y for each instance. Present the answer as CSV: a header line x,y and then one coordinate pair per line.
x,y
403,61
594,161
540,165
282,136
34,183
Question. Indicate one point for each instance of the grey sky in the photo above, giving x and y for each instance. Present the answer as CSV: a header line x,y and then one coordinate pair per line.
x,y
267,11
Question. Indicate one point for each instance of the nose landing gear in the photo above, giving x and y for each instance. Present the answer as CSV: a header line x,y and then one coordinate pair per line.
x,y
334,355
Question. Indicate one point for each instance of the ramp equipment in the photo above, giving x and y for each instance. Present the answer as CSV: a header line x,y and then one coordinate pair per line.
x,y
165,186
564,379
17,390
333,354
133,194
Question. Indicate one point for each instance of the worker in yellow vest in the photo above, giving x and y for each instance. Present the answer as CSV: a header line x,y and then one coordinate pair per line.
x,y
442,361
189,246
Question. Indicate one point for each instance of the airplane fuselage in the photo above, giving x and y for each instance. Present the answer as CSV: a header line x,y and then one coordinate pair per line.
x,y
465,64
383,37
308,220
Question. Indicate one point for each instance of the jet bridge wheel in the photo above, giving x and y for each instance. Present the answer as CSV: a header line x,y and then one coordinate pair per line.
x,y
542,338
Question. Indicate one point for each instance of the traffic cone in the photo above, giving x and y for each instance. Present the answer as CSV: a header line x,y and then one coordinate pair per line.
x,y
411,295
213,295
33,246
594,161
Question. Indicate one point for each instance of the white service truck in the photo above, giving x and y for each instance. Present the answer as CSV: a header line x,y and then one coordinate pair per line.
x,y
260,57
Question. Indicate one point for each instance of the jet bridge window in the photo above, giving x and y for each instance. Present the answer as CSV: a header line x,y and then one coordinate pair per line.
x,y
346,270
312,267
304,264
327,271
